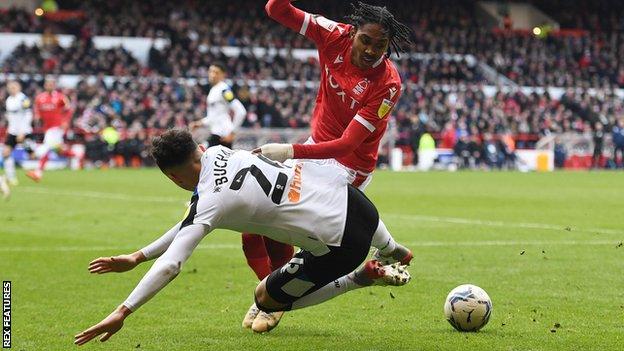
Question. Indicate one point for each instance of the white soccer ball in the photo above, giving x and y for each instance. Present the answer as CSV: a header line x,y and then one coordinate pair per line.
x,y
468,308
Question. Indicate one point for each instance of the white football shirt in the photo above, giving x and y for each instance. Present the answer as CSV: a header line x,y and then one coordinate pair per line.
x,y
19,114
304,205
219,102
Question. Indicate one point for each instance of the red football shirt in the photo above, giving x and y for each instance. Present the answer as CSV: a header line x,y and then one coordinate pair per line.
x,y
347,94
51,108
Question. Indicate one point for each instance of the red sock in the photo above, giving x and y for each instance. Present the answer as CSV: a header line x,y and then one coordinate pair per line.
x,y
43,161
279,253
68,153
256,254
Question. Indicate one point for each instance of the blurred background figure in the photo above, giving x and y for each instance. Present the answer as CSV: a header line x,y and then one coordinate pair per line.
x,y
19,129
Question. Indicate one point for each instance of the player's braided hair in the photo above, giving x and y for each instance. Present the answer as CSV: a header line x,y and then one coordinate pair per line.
x,y
173,148
398,33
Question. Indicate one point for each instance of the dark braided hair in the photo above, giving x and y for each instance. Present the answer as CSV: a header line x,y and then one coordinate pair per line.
x,y
398,33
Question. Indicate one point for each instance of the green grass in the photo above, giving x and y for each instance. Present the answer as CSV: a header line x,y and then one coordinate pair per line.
x,y
462,227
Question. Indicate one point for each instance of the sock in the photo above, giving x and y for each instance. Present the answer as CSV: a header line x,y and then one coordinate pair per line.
x,y
43,161
9,168
279,253
382,239
256,254
329,291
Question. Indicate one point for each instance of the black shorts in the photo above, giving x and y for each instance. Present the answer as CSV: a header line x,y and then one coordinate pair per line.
x,y
306,273
215,140
11,140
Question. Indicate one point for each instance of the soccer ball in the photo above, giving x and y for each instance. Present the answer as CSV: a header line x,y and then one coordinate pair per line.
x,y
468,308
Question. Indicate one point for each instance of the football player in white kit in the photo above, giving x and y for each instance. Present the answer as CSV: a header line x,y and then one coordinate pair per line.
x,y
239,191
224,112
19,116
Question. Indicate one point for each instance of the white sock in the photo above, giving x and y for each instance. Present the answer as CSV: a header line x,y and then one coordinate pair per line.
x,y
383,240
329,291
9,168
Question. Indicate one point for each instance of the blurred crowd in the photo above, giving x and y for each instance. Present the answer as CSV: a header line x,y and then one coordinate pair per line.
x,y
595,58
442,92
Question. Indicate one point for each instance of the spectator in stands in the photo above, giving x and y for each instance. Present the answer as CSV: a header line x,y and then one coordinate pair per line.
x,y
618,143
598,138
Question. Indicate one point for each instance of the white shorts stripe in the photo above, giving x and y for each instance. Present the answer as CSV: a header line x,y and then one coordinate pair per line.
x,y
365,123
304,26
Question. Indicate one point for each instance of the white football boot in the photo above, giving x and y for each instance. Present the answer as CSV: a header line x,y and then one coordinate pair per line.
x,y
404,256
264,322
252,313
4,188
394,274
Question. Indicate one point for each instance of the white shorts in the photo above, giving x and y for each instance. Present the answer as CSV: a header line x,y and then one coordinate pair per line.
x,y
357,178
53,139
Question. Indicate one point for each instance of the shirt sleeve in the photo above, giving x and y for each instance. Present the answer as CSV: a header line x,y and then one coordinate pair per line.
x,y
207,211
167,266
315,27
239,113
352,137
161,244
378,107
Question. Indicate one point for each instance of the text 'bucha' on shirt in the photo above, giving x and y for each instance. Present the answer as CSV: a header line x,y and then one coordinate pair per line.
x,y
249,193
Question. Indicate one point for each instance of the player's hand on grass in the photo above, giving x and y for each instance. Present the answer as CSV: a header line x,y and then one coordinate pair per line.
x,y
276,152
108,326
121,263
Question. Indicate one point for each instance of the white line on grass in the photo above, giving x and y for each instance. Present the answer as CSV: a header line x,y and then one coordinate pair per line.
x,y
238,247
452,220
521,225
99,195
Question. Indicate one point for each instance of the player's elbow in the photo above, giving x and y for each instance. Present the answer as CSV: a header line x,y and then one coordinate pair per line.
x,y
273,8
270,8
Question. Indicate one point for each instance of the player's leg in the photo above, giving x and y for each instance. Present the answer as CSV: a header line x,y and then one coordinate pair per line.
x,y
258,260
307,272
371,273
388,250
4,185
9,162
311,279
5,190
279,253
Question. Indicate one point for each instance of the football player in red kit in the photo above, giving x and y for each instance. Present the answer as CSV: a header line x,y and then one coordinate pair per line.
x,y
53,109
359,88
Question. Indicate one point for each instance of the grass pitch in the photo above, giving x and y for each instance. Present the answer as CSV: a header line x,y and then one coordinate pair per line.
x,y
546,247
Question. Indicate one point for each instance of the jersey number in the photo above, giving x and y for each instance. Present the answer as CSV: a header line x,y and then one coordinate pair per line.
x,y
265,184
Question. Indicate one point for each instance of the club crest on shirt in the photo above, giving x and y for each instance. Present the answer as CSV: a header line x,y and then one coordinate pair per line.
x,y
384,108
360,87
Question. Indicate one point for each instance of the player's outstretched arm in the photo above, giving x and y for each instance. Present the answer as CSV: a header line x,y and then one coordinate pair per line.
x,y
121,263
352,137
164,270
108,326
124,263
283,12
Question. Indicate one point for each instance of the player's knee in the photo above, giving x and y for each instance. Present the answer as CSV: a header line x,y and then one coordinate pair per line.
x,y
264,301
170,268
